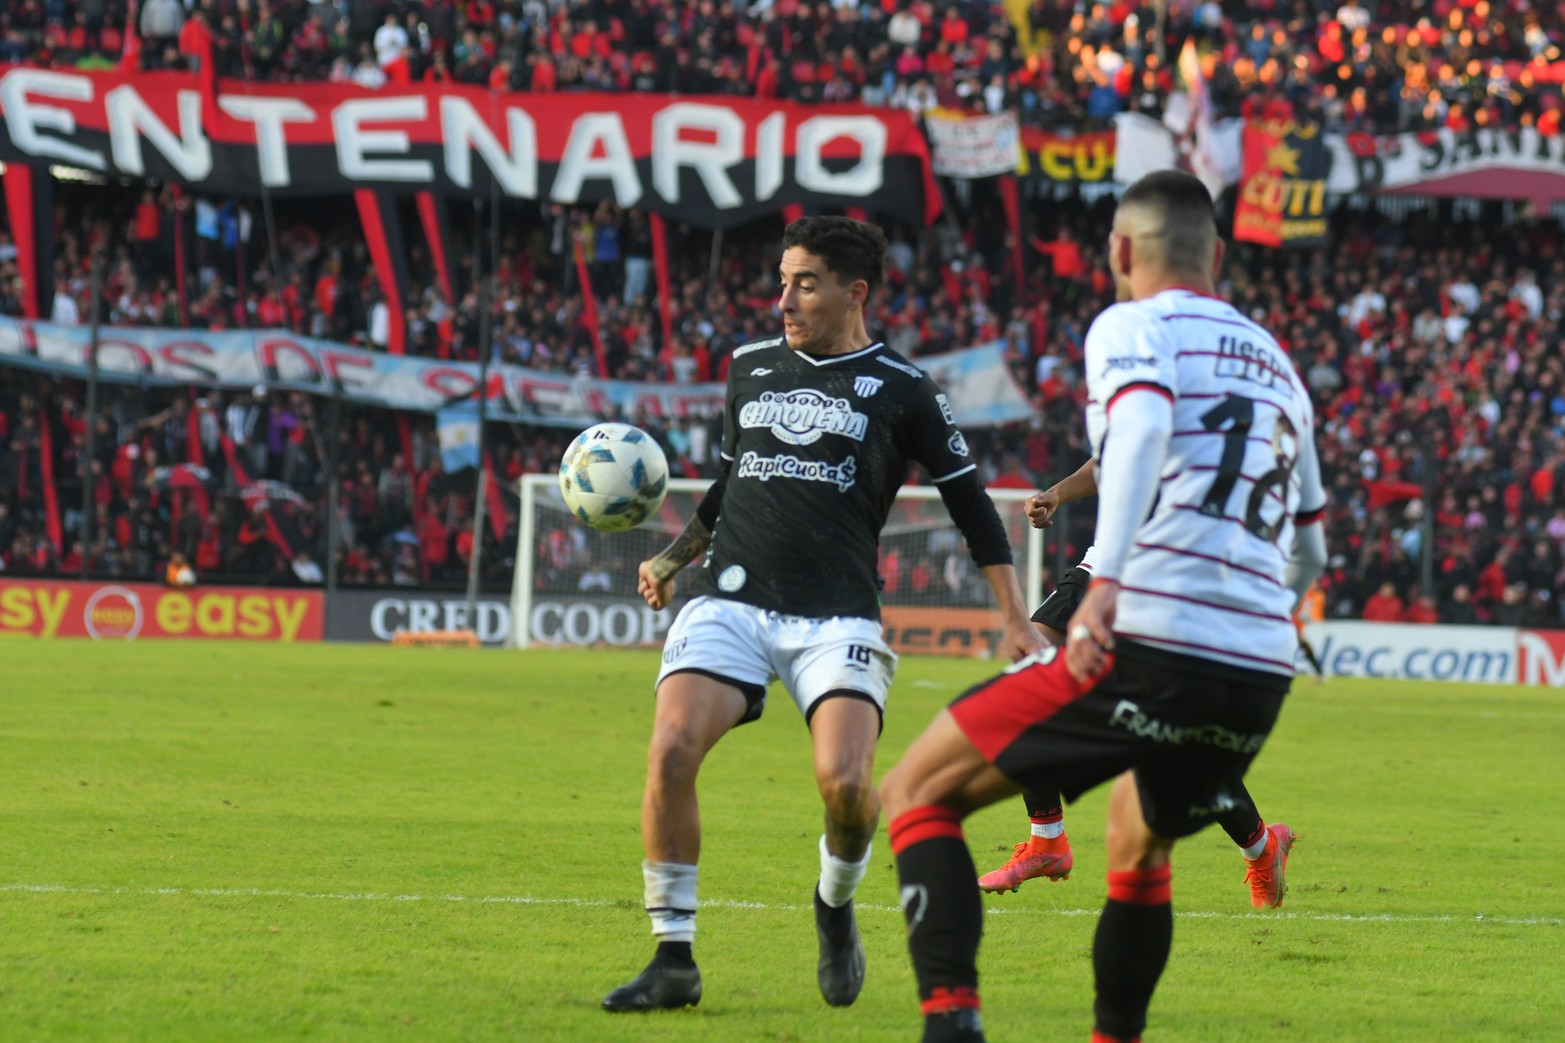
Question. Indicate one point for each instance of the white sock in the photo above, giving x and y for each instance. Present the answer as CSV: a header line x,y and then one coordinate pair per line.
x,y
1048,830
669,893
1254,850
840,879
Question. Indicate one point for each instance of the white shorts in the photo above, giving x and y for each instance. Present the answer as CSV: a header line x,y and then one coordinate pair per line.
x,y
749,647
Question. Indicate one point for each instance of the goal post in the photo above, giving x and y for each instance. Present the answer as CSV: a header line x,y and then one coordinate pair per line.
x,y
576,586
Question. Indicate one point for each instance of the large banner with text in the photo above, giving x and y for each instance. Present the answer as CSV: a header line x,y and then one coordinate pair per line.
x,y
978,383
1469,655
709,161
128,611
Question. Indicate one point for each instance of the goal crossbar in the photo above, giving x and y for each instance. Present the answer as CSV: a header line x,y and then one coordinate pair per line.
x,y
575,585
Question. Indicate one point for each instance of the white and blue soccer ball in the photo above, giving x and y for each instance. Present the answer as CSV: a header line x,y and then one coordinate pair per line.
x,y
613,476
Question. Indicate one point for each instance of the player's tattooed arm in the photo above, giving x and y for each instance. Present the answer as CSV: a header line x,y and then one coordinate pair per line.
x,y
687,547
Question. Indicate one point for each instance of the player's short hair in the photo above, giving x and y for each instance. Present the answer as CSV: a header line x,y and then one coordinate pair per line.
x,y
1187,218
851,249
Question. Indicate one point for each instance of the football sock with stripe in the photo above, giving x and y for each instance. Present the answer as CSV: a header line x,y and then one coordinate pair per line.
x,y
1046,814
669,893
1135,934
1242,822
940,900
839,878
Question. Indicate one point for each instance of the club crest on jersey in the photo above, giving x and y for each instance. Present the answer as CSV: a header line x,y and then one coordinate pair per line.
x,y
864,387
957,444
731,579
801,416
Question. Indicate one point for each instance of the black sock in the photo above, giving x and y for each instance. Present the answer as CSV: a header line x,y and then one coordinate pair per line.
x,y
674,952
1044,804
1130,949
1242,822
942,906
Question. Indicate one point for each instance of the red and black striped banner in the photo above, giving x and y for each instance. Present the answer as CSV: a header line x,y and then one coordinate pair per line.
x,y
711,161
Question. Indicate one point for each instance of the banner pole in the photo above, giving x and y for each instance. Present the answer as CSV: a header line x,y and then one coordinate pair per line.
x,y
485,350
333,490
89,509
716,260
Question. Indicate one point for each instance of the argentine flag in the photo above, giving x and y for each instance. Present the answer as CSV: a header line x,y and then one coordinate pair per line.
x,y
457,428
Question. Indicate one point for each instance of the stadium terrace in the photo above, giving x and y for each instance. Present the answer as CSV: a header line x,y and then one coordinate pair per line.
x,y
319,139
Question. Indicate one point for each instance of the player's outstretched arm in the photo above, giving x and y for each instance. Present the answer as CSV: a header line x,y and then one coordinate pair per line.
x,y
973,511
1020,638
655,576
1040,507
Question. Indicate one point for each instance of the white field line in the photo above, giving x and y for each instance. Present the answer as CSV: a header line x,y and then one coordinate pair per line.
x,y
721,903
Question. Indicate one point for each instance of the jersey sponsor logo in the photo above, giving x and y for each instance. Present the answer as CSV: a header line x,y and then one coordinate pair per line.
x,y
864,387
957,444
1239,359
1132,718
760,371
1128,362
757,346
945,408
801,416
912,371
754,465
731,579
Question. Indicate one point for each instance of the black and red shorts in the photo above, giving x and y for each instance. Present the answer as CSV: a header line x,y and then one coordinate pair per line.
x,y
1188,727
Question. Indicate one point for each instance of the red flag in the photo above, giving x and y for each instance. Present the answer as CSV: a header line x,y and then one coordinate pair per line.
x,y
1258,214
193,448
1383,493
51,503
589,312
130,56
660,265
1010,198
241,479
499,517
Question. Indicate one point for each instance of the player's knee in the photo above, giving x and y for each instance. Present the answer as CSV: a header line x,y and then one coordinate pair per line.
x,y
848,794
673,757
1132,846
897,791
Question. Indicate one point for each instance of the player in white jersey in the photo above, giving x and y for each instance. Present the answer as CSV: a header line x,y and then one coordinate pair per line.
x,y
1180,656
1047,852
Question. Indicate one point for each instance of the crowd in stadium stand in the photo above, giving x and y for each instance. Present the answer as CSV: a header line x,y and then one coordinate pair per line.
x,y
1358,64
1432,347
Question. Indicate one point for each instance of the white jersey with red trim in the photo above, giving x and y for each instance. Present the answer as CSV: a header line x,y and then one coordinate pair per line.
x,y
1204,574
1089,560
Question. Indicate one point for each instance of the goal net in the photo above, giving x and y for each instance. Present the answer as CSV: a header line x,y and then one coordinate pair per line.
x,y
577,586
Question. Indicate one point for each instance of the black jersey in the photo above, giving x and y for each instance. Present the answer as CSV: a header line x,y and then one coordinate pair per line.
x,y
817,448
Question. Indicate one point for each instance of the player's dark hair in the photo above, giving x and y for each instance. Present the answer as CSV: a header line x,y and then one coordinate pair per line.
x,y
851,249
1188,220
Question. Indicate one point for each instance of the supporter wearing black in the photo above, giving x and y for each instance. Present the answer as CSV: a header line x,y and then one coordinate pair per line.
x,y
821,426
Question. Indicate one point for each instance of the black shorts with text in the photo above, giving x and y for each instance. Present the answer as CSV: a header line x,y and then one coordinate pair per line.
x,y
1188,727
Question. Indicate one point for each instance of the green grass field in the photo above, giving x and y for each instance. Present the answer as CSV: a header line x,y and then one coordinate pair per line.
x,y
247,842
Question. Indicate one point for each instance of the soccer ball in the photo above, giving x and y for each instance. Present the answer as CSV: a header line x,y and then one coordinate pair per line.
x,y
613,476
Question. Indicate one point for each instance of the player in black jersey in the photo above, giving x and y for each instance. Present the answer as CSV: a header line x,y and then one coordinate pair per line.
x,y
1046,852
821,425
